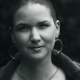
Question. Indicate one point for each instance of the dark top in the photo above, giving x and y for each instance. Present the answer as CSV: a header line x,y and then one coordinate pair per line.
x,y
71,69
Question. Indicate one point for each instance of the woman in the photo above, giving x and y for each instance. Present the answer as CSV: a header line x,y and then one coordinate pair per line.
x,y
34,30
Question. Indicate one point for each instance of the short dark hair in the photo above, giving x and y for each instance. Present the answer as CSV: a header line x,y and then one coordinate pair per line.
x,y
19,3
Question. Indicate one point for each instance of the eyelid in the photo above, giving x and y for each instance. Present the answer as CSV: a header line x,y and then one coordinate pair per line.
x,y
22,24
44,24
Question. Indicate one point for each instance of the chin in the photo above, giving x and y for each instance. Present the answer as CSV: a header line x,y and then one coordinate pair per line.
x,y
34,57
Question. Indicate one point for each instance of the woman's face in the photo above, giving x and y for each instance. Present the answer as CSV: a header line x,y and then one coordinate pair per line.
x,y
34,31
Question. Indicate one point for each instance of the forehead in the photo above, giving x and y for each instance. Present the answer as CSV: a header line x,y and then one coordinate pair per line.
x,y
32,11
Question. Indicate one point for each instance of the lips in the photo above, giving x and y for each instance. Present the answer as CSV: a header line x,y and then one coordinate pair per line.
x,y
36,48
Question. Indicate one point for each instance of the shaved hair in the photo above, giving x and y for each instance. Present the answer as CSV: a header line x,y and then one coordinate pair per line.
x,y
19,3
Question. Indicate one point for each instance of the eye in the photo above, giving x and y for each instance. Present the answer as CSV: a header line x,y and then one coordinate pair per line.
x,y
23,27
43,26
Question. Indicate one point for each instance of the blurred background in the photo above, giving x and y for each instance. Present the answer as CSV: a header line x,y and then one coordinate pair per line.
x,y
68,12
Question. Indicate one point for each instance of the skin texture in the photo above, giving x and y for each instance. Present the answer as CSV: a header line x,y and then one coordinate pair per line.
x,y
34,26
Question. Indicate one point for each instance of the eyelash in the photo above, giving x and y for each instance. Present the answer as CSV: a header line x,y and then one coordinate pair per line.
x,y
41,26
22,28
44,25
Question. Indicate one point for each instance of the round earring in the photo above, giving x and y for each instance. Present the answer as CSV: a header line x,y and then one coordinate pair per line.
x,y
61,45
13,49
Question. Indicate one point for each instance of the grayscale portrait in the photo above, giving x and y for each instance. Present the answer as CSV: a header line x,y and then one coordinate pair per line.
x,y
39,40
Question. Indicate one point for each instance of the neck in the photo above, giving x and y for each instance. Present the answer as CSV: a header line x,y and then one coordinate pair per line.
x,y
41,70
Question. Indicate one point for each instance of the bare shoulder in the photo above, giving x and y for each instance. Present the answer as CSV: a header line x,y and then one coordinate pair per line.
x,y
15,77
60,75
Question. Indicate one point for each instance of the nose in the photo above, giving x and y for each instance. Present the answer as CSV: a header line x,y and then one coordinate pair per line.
x,y
35,36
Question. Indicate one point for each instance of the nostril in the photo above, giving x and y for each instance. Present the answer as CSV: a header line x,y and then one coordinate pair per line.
x,y
35,40
35,36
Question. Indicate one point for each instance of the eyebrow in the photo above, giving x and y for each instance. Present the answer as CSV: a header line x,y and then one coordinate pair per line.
x,y
43,22
26,24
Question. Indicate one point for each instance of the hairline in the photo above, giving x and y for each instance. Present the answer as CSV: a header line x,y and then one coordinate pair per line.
x,y
51,9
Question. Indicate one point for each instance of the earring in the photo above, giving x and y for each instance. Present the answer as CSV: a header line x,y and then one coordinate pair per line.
x,y
61,45
12,50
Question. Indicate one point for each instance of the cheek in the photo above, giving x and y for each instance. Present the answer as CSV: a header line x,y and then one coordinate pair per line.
x,y
50,34
21,38
49,37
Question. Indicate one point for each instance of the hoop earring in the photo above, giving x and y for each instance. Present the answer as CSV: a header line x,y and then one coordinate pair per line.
x,y
61,46
13,57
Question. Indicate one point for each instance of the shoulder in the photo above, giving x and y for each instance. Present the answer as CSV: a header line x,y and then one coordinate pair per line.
x,y
7,71
60,75
2,71
70,67
78,64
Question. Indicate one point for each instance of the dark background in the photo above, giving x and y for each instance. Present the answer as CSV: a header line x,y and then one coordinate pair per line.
x,y
68,12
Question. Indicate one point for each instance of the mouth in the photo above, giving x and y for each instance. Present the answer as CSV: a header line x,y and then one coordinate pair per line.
x,y
35,47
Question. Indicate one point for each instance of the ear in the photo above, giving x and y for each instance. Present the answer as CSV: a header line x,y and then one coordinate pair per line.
x,y
58,28
11,33
12,38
